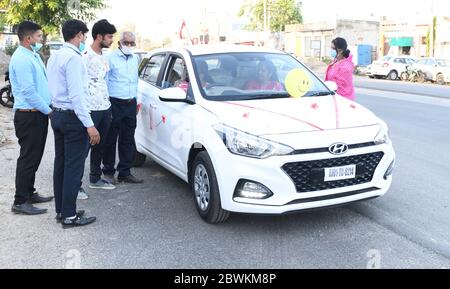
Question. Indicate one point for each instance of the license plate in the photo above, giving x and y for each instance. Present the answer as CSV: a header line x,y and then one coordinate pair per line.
x,y
340,173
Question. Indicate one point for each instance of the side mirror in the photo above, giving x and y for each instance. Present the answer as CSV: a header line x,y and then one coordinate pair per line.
x,y
331,85
174,94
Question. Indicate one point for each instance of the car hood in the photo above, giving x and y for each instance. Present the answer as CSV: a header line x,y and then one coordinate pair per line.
x,y
281,116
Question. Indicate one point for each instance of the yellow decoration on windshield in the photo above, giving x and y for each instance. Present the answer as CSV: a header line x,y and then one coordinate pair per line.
x,y
298,83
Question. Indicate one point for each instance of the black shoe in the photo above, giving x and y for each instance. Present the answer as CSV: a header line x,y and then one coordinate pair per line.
x,y
27,209
38,199
130,180
77,222
58,217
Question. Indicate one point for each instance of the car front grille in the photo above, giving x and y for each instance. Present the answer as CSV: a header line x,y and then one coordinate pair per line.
x,y
310,176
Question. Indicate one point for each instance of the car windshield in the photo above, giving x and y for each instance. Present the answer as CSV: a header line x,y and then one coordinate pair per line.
x,y
386,58
246,76
443,62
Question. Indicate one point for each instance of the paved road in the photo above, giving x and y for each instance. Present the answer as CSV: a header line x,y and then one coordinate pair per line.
x,y
155,225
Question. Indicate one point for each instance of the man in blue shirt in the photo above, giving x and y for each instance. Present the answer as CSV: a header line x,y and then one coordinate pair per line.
x,y
32,107
122,87
71,122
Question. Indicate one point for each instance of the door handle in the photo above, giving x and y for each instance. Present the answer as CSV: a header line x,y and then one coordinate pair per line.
x,y
154,106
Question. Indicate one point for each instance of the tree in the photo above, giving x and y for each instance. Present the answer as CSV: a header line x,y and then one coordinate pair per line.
x,y
50,14
279,12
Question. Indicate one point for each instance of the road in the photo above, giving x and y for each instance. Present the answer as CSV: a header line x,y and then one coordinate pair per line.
x,y
155,225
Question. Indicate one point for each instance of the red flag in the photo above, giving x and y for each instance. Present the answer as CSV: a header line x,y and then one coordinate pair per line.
x,y
183,25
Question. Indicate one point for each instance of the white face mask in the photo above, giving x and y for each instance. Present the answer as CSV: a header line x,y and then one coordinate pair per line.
x,y
127,50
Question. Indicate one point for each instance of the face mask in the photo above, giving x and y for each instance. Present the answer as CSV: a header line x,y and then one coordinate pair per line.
x,y
82,46
36,47
127,50
333,53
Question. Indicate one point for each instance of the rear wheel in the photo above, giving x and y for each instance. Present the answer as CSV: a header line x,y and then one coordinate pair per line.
x,y
404,76
440,79
206,190
393,75
5,97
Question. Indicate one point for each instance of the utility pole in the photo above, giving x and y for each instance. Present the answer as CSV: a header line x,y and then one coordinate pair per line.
x,y
432,31
265,16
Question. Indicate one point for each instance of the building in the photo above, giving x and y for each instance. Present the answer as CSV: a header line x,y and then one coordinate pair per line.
x,y
415,38
314,39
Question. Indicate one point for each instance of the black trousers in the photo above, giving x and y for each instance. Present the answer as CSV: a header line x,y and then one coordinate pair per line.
x,y
31,130
102,121
71,145
122,130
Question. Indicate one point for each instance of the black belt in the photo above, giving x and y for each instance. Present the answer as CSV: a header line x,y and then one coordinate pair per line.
x,y
63,110
113,99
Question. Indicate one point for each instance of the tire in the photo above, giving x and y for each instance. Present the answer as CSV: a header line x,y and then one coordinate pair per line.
x,y
421,78
139,159
440,79
393,75
5,97
205,190
371,76
404,76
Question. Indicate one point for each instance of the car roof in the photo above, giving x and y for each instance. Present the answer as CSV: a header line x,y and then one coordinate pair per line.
x,y
198,50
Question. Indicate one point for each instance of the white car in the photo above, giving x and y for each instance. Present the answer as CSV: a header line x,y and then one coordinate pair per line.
x,y
437,70
245,148
390,67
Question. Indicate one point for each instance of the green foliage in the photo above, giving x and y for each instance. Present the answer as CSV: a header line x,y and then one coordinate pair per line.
x,y
281,13
50,14
10,48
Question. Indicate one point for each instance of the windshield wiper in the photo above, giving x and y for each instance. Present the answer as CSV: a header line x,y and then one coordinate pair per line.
x,y
270,96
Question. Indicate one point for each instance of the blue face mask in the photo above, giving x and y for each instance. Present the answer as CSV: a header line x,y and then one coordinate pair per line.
x,y
36,47
82,47
333,53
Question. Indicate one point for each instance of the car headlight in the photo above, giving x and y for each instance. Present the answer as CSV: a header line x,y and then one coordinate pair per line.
x,y
383,136
248,145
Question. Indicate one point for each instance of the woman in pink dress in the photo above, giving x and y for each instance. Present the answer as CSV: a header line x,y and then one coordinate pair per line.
x,y
267,78
341,68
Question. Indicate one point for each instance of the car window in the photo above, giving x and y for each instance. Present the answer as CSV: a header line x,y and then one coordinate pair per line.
x,y
443,62
152,69
243,76
176,75
386,58
422,61
431,62
400,60
410,61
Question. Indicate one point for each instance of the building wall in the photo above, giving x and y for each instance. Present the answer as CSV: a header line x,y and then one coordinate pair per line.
x,y
298,37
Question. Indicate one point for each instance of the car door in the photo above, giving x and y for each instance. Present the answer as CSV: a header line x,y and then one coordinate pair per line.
x,y
149,89
174,119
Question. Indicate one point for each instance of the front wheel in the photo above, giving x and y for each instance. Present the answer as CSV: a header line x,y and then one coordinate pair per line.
x,y
6,97
206,190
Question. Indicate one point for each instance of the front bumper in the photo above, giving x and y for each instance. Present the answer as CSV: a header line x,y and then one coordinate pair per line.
x,y
230,169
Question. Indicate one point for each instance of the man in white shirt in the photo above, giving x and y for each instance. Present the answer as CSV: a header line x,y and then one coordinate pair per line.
x,y
98,101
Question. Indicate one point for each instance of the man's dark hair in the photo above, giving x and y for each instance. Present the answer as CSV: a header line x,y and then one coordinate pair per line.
x,y
27,28
103,27
72,27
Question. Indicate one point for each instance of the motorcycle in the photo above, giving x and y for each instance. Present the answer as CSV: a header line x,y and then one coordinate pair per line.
x,y
6,96
415,75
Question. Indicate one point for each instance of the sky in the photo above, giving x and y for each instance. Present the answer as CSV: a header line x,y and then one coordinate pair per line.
x,y
155,18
